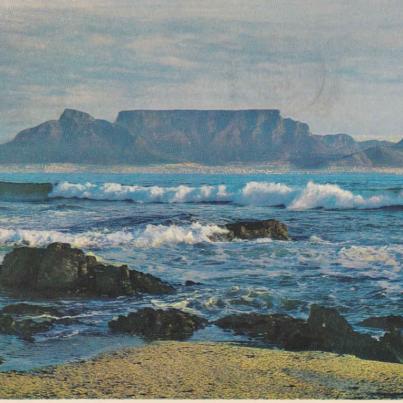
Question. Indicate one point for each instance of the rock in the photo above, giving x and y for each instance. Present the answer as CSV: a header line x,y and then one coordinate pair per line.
x,y
24,309
24,328
170,324
331,332
393,341
190,283
325,330
61,270
384,322
279,329
257,229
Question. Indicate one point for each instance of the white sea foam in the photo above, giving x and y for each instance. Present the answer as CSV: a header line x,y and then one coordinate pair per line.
x,y
150,237
362,257
141,194
312,195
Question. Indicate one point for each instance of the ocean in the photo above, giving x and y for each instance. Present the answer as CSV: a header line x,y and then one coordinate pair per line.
x,y
346,249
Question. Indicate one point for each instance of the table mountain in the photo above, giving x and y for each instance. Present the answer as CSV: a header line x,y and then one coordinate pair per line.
x,y
201,136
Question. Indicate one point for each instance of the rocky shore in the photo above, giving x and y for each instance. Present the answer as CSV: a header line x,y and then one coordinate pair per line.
x,y
210,370
307,367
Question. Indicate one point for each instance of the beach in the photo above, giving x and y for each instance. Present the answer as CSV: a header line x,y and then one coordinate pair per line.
x,y
210,370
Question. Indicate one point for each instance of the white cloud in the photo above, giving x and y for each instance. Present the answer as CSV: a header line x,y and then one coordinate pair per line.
x,y
336,65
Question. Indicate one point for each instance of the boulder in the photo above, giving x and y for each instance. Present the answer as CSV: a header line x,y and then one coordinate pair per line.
x,y
256,229
279,329
170,324
60,270
325,330
384,322
393,341
331,332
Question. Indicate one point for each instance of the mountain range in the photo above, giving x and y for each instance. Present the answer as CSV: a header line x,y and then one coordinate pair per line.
x,y
213,137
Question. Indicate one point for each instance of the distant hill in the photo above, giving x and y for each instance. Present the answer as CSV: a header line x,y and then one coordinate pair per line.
x,y
202,136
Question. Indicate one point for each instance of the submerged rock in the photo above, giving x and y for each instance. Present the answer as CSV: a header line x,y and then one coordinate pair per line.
x,y
25,309
24,320
325,330
60,270
170,324
384,322
256,229
190,283
24,328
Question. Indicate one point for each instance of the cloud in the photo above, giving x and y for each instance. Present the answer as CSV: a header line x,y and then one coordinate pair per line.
x,y
336,65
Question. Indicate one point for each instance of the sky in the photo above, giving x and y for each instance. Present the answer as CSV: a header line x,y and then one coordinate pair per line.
x,y
337,65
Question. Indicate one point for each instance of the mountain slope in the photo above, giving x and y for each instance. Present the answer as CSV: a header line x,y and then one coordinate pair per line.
x,y
201,136
76,138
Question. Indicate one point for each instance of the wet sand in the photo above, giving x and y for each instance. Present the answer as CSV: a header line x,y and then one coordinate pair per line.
x,y
210,370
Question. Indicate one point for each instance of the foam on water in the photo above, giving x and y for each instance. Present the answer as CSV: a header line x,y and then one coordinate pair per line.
x,y
362,257
150,237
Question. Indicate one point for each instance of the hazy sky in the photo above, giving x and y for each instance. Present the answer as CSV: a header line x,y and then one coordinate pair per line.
x,y
337,65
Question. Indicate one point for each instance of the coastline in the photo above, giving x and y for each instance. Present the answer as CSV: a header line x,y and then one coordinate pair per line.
x,y
185,168
196,370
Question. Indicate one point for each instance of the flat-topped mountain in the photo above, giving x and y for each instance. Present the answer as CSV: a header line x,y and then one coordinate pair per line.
x,y
201,136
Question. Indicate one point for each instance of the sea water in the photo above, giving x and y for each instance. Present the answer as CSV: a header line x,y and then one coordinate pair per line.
x,y
346,249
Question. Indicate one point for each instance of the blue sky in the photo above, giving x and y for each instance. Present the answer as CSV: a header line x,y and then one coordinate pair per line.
x,y
336,65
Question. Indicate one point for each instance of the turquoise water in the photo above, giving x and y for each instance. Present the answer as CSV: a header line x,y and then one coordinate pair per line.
x,y
347,247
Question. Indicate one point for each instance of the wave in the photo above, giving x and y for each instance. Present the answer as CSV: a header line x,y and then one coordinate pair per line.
x,y
152,236
310,196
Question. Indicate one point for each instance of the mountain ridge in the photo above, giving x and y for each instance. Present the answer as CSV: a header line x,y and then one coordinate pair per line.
x,y
211,137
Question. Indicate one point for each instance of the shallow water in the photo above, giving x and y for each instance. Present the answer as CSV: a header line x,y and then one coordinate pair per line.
x,y
347,248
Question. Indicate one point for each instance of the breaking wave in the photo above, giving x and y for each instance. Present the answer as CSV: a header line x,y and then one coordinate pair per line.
x,y
310,196
152,236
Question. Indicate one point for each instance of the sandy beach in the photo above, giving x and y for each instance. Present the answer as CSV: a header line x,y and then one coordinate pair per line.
x,y
210,370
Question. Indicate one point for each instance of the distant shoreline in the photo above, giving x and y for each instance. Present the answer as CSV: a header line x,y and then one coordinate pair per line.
x,y
182,168
192,370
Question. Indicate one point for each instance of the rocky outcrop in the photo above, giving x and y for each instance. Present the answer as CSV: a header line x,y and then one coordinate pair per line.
x,y
325,330
170,324
61,270
278,329
393,341
384,322
256,229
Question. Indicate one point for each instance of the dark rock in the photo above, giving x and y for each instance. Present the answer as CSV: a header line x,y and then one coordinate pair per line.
x,y
190,283
24,309
384,322
24,328
170,324
257,229
393,341
279,329
61,270
325,330
331,332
